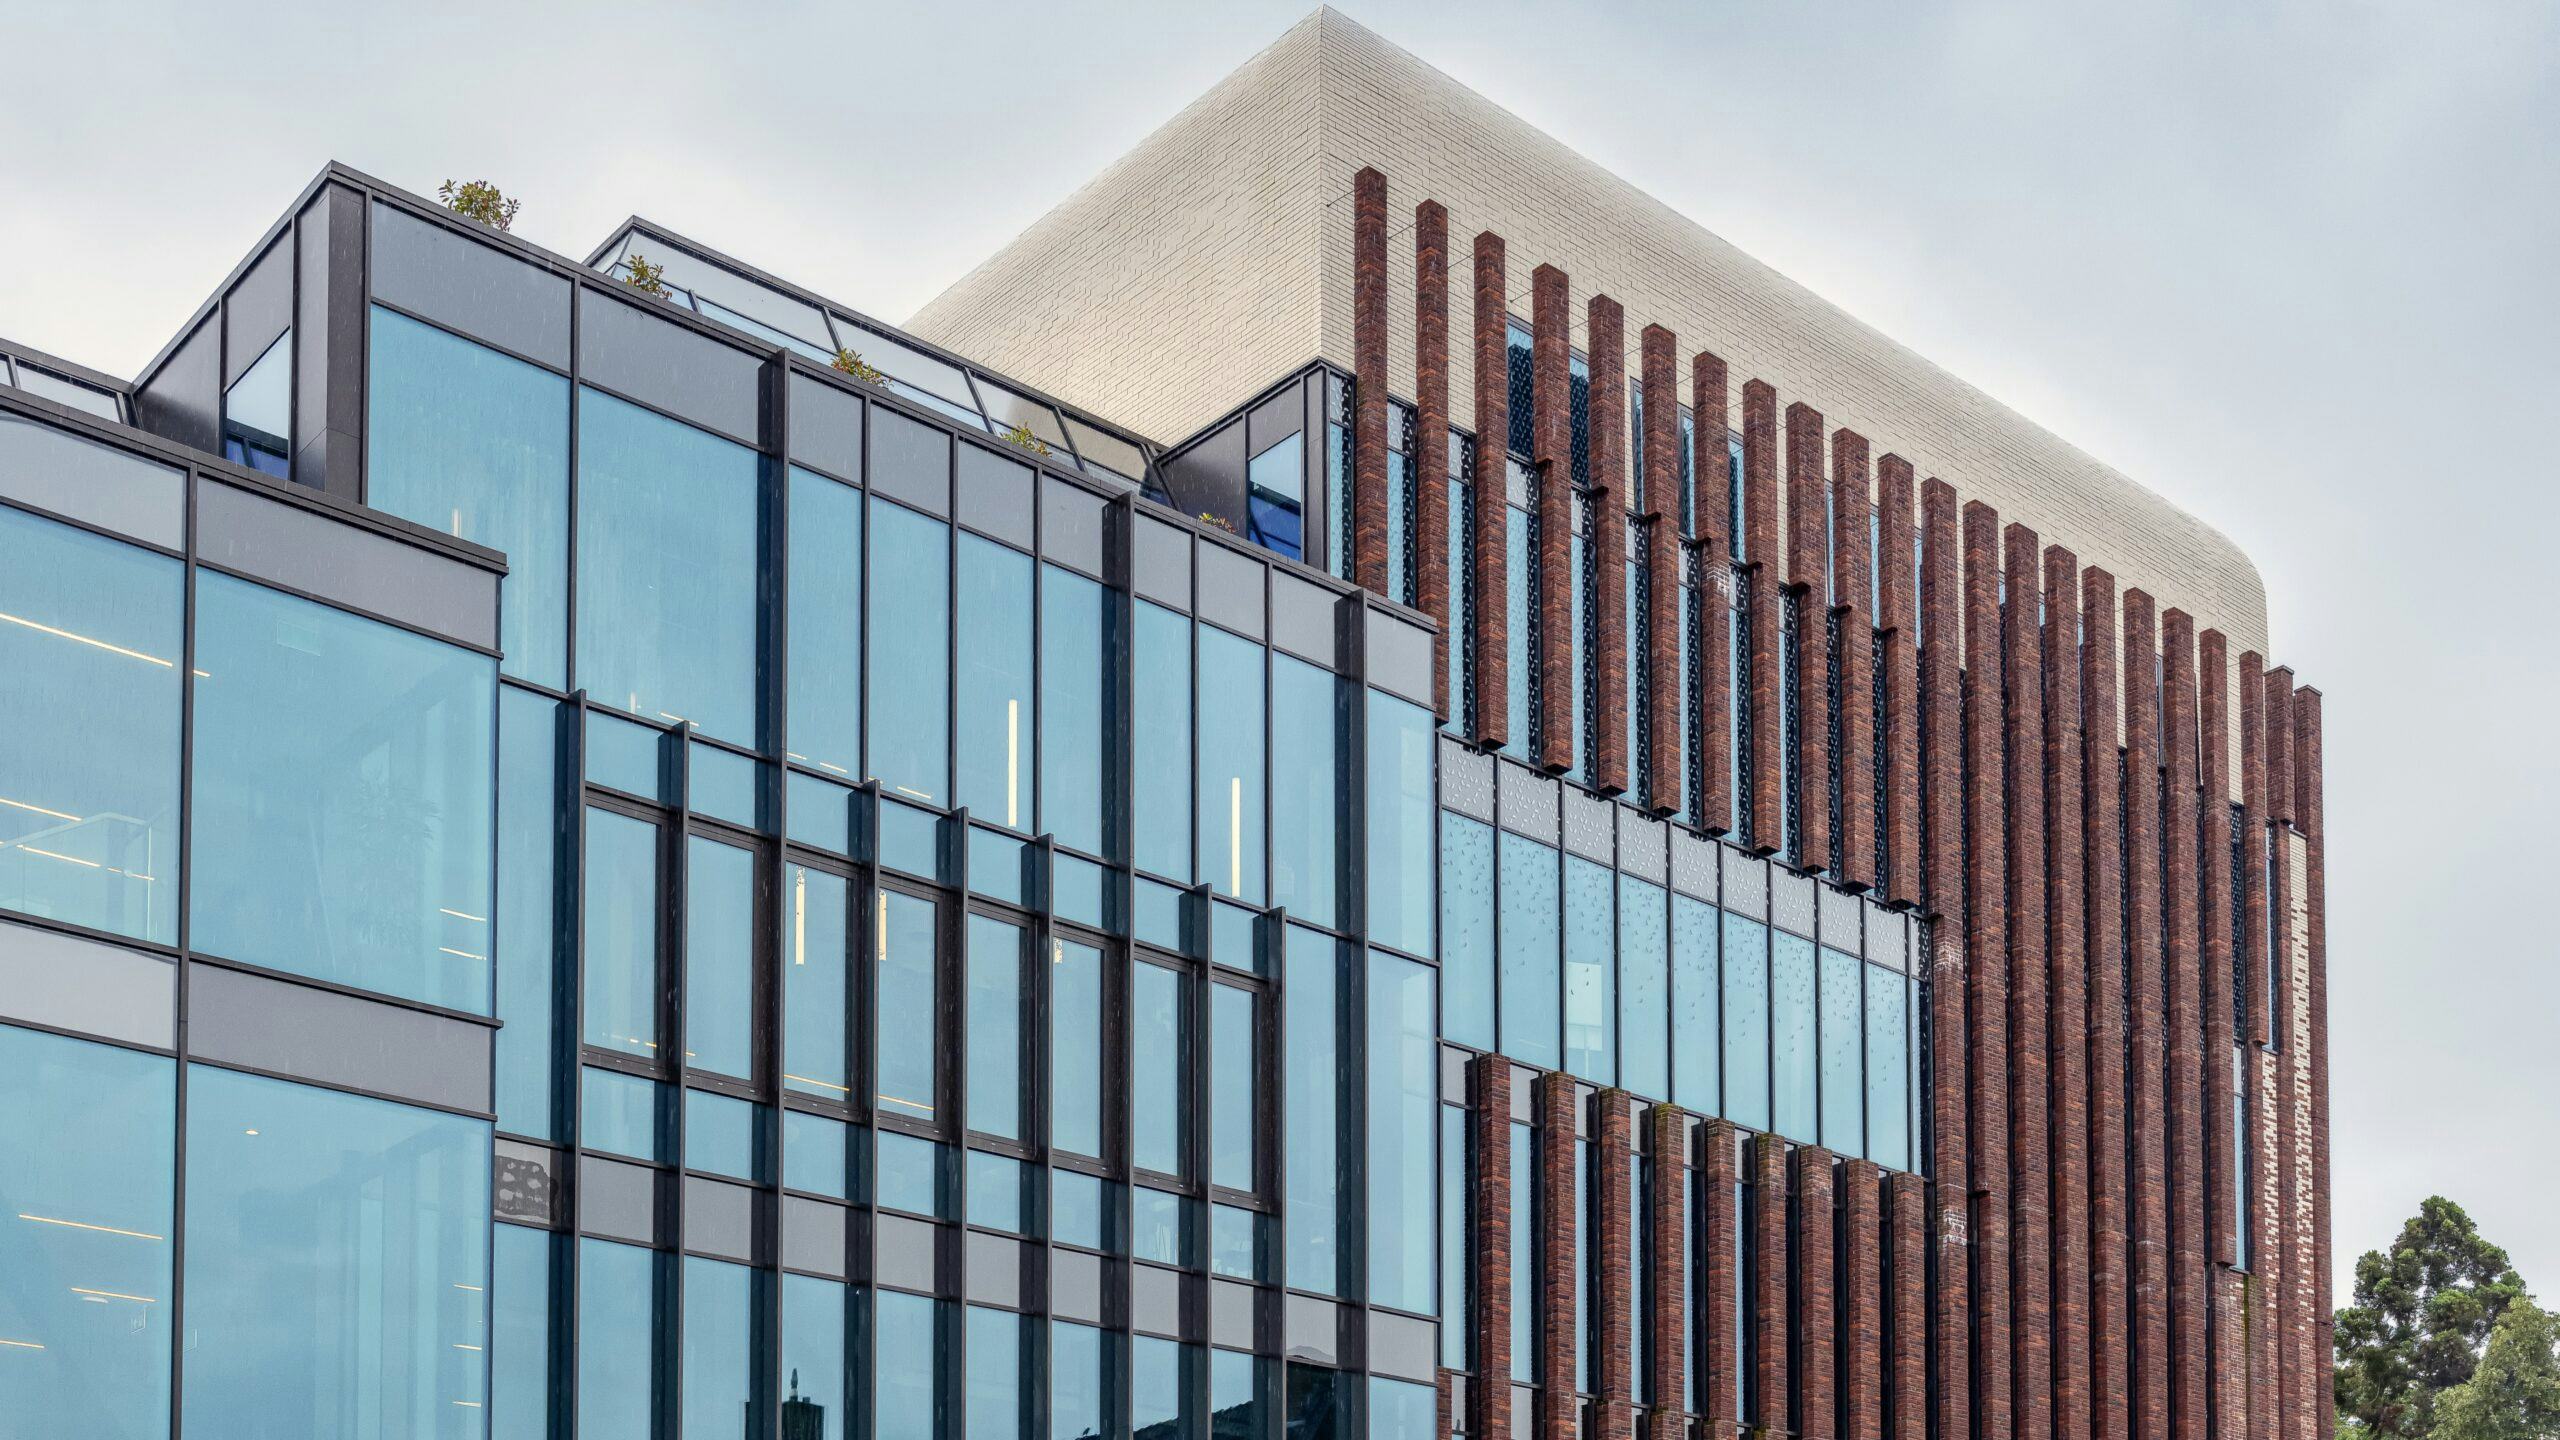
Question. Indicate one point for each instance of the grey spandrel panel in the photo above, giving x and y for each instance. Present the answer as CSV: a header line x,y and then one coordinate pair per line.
x,y
1791,902
1305,620
70,982
910,461
1231,1314
618,1200
271,539
1693,864
1746,883
1313,1330
259,308
1075,1286
650,358
477,289
1399,657
994,1268
1161,567
813,1236
1528,801
72,475
720,1218
1466,780
1588,830
1155,1301
1231,589
1402,1345
1889,937
335,1039
183,401
826,428
906,1253
1071,525
525,1183
1640,845
1840,919
993,495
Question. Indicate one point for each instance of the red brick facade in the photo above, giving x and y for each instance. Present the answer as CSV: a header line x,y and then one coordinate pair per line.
x,y
1710,467
1431,432
1369,375
1551,438
1850,536
1490,609
1608,411
1666,689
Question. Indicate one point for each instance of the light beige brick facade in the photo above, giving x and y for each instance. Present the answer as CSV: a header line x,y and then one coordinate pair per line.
x,y
1216,256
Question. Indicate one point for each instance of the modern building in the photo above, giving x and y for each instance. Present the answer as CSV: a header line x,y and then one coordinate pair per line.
x,y
615,848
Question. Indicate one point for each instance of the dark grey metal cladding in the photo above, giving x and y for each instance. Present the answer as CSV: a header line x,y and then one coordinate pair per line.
x,y
337,1038
441,273
268,537
649,358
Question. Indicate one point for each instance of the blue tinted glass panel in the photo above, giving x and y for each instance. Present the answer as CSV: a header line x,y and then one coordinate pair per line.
x,y
1159,1030
1307,713
1404,1102
1697,1038
995,1027
1746,1022
723,1135
345,797
817,906
618,1300
1234,1085
288,1337
903,949
85,1236
910,653
528,923
1530,898
912,1174
1792,1059
1156,1226
1231,719
1466,930
1073,676
1275,485
1400,741
1457,1191
1590,1001
469,442
1161,722
995,1191
994,701
669,525
1156,1388
813,1153
91,636
1310,1066
1159,914
996,864
1076,1210
619,1113
1524,1249
1843,1040
726,785
1075,893
814,1393
910,839
1461,683
622,934
1239,1394
1075,1047
520,1334
1237,1239
1075,1381
907,1401
719,957
626,756
824,619
821,814
994,1408
258,411
1401,1410
1888,1068
719,1348
1515,593
1644,983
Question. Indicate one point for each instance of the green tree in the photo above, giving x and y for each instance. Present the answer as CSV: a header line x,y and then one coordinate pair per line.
x,y
2514,1394
2423,1312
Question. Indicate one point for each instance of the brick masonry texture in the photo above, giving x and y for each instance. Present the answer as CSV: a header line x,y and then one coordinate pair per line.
x,y
1559,1218
1430,425
2253,822
1769,1282
1907,1309
1862,1299
2188,1300
1850,536
1666,697
1551,447
2067,990
1760,551
1808,588
2102,852
1719,1294
1607,328
1950,1315
1814,1296
2149,1173
1898,653
1941,713
2214,914
2311,811
2030,1088
1669,1342
1491,610
1369,368
1987,973
1490,1216
1713,658
1613,1252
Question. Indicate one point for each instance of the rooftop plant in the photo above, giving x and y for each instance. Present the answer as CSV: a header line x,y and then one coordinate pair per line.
x,y
852,363
1021,435
644,277
479,200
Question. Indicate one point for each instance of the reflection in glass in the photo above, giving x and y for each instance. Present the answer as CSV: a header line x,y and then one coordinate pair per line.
x,y
1275,487
1310,1073
257,412
1156,1408
618,1301
1239,1394
528,871
1590,1008
719,1350
1234,1086
1400,741
1401,1410
1230,775
1076,1386
520,1334
622,933
1308,710
994,704
1161,721
1746,1022
1644,983
1888,1068
1466,929
1074,671
1404,1101
1075,1047
823,619
719,956
995,1027
816,906
910,653
1159,1034
1791,1037
903,952
1696,1023
994,1405
1531,902
1843,1039
814,1391
907,1403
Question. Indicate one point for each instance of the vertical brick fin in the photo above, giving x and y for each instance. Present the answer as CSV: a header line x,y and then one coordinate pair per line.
x,y
2280,793
1444,1423
1863,1302
1489,1410
1711,472
2102,864
2251,887
1815,1294
2292,1325
2021,656
1809,591
1369,374
1551,432
1849,589
2311,812
1907,1309
1719,1296
2148,1012
1666,697
1613,1379
1941,712
1606,332
1899,657
2180,873
1559,1219
1769,1280
1760,551
1987,971
1668,1345
1431,433
2213,919
1488,495
2067,993
2230,1355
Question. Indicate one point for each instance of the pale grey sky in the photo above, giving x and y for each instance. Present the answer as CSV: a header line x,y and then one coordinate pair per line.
x,y
2291,264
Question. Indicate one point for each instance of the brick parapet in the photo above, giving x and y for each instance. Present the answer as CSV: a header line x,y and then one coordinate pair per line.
x,y
2214,921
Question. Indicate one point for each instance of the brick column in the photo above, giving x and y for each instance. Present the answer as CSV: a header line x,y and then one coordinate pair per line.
x,y
1719,1294
2311,810
2030,1084
1862,1300
1849,591
2292,1323
1766,772
1987,970
1431,434
1808,589
1816,1294
1899,657
1606,331
2102,857
1710,469
1559,1220
1907,1378
1488,494
1551,435
1942,861
1769,1280
1489,1211
2067,991
1613,1381
2252,887
1666,699
1941,665
2187,1120
2266,1262
2230,1354
2149,1005
1369,538
1665,1310
2214,920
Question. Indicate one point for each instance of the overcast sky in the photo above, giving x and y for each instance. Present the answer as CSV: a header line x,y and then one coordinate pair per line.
x,y
2295,265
